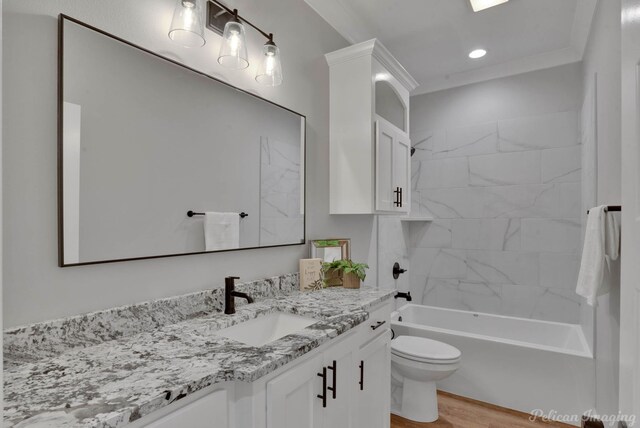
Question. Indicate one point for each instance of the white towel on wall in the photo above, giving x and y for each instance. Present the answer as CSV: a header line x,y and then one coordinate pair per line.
x,y
612,237
601,244
221,231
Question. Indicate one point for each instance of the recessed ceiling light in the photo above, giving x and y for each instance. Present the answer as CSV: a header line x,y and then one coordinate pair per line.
x,y
479,5
478,53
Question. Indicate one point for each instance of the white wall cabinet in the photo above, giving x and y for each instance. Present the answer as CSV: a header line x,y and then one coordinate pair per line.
x,y
369,131
344,383
392,158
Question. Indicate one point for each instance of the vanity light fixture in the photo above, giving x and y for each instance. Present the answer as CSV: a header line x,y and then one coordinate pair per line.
x,y
233,49
270,69
479,5
187,25
477,53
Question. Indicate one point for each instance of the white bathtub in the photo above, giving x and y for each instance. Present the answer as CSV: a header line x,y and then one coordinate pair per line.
x,y
518,363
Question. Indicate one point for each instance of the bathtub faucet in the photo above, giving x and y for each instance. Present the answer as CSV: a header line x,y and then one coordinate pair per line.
x,y
403,295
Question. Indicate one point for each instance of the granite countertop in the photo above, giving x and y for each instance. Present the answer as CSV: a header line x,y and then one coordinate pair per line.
x,y
110,383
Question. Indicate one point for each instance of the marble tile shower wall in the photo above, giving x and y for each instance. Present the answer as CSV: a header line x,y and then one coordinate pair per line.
x,y
506,197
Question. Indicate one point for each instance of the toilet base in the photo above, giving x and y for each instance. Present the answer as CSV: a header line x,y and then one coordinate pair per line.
x,y
419,401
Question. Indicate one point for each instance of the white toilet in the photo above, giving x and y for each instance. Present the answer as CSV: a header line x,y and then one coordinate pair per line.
x,y
419,363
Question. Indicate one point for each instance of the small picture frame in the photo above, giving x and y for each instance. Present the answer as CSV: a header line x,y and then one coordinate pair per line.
x,y
311,274
331,249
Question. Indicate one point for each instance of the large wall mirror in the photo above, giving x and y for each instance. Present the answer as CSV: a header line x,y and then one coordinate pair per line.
x,y
144,140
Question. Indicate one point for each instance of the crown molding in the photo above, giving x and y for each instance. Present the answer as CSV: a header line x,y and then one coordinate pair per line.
x,y
510,68
344,19
377,50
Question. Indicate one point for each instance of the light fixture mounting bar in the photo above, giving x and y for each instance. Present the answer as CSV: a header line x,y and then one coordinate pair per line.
x,y
234,12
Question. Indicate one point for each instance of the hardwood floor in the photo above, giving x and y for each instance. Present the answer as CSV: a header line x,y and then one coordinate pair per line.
x,y
460,412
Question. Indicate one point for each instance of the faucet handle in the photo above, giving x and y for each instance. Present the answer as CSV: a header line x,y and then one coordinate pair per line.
x,y
230,282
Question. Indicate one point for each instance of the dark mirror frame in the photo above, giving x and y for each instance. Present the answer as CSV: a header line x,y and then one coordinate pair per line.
x,y
61,20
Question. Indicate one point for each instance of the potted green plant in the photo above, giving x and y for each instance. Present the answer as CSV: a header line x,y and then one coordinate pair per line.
x,y
345,272
331,274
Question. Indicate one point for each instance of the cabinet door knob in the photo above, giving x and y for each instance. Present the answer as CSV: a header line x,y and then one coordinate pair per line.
x,y
398,193
323,396
361,375
334,368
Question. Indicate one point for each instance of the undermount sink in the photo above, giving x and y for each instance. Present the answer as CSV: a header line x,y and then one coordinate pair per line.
x,y
266,328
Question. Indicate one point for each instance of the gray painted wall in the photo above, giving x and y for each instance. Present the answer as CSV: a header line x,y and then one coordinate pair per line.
x,y
35,288
1,240
602,62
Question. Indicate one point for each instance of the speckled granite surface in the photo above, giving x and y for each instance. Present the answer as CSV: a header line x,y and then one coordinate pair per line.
x,y
51,338
107,372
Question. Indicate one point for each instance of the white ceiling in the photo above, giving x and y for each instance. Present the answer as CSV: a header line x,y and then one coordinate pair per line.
x,y
432,38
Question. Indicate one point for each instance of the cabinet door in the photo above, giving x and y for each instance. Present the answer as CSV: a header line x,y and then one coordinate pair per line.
x,y
339,360
402,170
374,383
210,411
385,134
292,397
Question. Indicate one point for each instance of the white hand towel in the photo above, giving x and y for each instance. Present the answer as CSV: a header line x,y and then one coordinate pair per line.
x,y
612,237
221,231
601,244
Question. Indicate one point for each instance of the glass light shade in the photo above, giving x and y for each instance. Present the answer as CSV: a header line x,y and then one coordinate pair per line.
x,y
270,69
233,50
187,25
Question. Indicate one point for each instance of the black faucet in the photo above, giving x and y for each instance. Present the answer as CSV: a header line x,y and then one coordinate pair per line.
x,y
402,295
230,294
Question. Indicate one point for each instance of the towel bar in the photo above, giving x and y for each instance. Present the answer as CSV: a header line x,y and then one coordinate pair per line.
x,y
192,213
611,208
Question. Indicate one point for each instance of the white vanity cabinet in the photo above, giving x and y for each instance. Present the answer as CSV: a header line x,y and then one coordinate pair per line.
x,y
372,398
317,393
292,400
347,386
369,131
341,369
342,384
212,410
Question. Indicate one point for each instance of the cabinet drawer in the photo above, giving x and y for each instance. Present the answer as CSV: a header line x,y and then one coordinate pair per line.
x,y
379,322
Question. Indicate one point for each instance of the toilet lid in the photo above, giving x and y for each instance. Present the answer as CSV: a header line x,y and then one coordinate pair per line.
x,y
423,349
